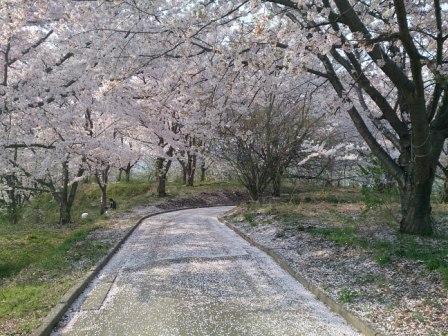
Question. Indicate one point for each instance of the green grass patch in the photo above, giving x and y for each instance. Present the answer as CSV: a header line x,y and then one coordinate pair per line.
x,y
40,260
382,256
250,218
23,248
373,198
22,305
347,296
341,236
38,240
74,248
343,229
332,196
433,254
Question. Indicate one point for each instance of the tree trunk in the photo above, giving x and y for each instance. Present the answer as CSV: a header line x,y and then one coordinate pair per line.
x,y
66,198
416,199
162,167
128,172
102,179
103,206
184,175
190,181
120,173
14,207
184,169
161,186
276,185
203,170
62,197
191,169
64,212
14,199
445,190
254,193
416,208
14,196
253,186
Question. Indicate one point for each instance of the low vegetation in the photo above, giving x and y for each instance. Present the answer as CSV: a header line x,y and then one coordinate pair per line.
x,y
346,241
354,217
40,259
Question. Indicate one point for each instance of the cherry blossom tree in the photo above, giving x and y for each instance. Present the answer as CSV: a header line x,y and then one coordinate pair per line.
x,y
180,70
49,82
387,62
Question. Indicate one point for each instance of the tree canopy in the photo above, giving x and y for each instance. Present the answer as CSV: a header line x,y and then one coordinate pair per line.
x,y
87,86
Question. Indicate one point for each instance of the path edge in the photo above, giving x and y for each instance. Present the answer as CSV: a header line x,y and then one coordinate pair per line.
x,y
355,321
52,319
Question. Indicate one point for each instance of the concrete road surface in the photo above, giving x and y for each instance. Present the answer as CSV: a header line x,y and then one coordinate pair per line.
x,y
185,273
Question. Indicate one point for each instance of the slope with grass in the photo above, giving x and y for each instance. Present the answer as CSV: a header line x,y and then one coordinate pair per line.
x,y
40,261
350,247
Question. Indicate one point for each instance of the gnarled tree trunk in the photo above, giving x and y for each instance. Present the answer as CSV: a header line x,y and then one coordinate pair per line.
x,y
64,212
66,196
127,171
203,171
162,168
416,208
188,168
102,179
415,194
191,169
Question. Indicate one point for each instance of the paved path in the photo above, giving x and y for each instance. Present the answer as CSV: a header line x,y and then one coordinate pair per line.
x,y
185,273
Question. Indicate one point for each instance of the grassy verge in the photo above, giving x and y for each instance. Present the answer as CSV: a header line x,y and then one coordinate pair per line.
x,y
40,261
430,252
341,216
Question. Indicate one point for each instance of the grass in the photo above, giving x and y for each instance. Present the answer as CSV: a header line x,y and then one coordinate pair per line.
x,y
38,238
342,236
43,210
347,296
37,267
312,194
20,249
343,226
22,305
250,218
40,260
432,252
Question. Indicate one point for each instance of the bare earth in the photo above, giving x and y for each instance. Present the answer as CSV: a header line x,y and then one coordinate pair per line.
x,y
185,273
